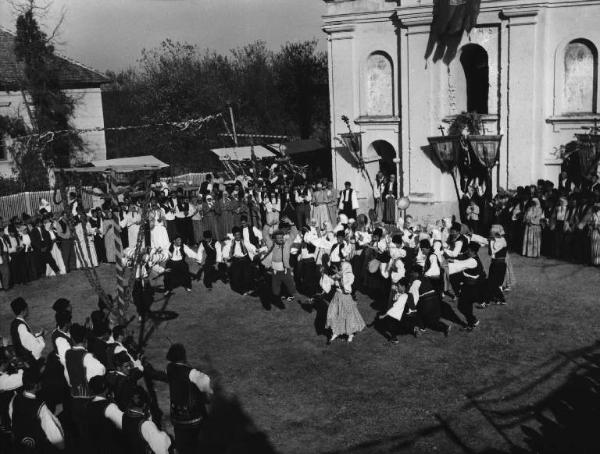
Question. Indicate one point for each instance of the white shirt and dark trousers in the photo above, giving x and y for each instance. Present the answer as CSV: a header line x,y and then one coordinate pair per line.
x,y
348,203
179,274
241,271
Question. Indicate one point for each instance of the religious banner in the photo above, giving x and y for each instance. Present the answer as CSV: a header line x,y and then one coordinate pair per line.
x,y
446,149
486,149
588,153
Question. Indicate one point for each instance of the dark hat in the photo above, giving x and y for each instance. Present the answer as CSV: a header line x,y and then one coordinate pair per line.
x,y
397,239
176,353
62,318
236,229
456,226
18,305
403,282
78,333
378,232
121,359
61,304
207,234
98,384
474,247
424,244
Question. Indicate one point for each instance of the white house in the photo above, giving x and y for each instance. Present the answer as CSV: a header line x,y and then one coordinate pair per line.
x,y
81,83
538,61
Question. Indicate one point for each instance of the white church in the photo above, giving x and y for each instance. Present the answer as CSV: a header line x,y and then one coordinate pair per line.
x,y
530,68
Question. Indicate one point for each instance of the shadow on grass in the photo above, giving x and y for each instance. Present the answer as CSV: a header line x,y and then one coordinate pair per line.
x,y
229,429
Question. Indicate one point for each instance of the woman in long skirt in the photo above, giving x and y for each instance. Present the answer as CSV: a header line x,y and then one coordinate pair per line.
x,y
159,236
332,202
227,222
86,254
196,209
532,238
389,213
54,252
97,225
109,237
209,219
343,317
594,226
321,210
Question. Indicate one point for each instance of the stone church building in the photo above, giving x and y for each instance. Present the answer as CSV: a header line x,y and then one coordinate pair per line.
x,y
530,68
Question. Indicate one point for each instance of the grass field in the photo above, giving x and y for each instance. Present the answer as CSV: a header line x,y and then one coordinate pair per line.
x,y
431,394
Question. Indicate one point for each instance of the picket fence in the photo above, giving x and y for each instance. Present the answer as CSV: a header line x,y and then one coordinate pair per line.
x,y
29,202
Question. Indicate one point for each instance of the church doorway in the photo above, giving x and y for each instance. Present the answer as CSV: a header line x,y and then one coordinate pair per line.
x,y
474,60
386,153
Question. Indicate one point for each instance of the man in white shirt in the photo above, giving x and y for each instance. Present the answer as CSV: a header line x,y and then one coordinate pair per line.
x,y
80,367
190,391
348,203
28,346
210,256
140,431
104,419
302,198
390,324
177,271
33,425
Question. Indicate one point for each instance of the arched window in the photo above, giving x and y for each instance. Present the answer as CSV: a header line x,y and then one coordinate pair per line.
x,y
380,85
474,60
386,153
581,75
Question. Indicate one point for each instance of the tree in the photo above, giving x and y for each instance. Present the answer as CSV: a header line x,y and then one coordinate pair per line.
x,y
50,107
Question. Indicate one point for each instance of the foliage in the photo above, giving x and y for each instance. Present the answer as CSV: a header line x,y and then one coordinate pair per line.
x,y
51,108
270,93
469,120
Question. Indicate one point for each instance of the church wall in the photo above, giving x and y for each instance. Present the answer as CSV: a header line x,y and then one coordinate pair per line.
x,y
525,43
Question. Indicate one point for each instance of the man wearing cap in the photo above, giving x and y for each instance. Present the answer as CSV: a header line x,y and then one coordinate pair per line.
x,y
348,201
28,346
34,427
190,392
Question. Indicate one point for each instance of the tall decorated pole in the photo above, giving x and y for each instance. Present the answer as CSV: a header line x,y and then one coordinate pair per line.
x,y
120,268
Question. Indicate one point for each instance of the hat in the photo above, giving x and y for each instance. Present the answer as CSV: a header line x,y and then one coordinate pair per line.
x,y
61,304
18,305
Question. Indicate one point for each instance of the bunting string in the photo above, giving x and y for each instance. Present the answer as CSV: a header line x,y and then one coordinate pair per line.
x,y
194,124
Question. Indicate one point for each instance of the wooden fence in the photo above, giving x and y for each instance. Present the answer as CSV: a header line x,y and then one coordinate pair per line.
x,y
29,202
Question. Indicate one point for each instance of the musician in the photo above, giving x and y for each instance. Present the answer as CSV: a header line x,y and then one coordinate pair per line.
x,y
28,346
35,429
190,392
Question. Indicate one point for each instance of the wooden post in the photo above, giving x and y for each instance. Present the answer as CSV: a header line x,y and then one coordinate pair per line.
x,y
235,138
112,187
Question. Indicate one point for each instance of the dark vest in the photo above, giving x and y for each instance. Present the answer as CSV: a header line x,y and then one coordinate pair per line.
x,y
26,425
211,253
98,348
132,430
56,334
102,433
425,287
348,203
121,387
474,276
21,351
181,251
251,236
76,370
187,402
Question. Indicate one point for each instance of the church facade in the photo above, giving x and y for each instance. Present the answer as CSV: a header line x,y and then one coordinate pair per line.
x,y
529,68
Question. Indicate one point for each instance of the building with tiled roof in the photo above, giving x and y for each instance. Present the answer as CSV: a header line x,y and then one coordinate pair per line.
x,y
79,81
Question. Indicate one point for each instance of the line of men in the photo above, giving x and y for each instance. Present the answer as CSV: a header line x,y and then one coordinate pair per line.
x,y
84,396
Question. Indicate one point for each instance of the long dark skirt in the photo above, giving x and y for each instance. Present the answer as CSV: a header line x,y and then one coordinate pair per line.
x,y
100,248
179,275
241,274
18,268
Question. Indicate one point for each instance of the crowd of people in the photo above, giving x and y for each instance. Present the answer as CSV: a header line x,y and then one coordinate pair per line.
x,y
280,241
543,220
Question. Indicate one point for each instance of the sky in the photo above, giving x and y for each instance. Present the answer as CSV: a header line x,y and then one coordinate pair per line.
x,y
110,34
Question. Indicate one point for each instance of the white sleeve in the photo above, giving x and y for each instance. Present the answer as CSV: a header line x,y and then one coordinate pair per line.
x,y
93,367
354,201
461,265
309,196
456,251
219,250
62,345
258,233
326,283
414,291
190,253
297,197
51,427
200,254
399,273
202,381
35,344
384,269
115,415
10,382
158,440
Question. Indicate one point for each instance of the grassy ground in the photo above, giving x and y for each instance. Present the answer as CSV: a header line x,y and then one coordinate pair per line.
x,y
421,395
